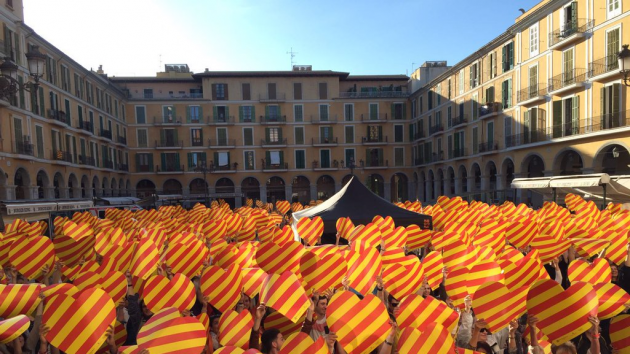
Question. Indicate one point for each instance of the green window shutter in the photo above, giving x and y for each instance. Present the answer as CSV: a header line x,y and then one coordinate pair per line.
x,y
267,130
200,114
280,134
509,94
410,129
266,111
240,114
21,81
490,133
228,161
504,58
557,119
526,126
380,133
190,160
162,135
151,162
203,157
187,114
253,113
393,111
137,162
227,113
491,98
282,158
82,144
177,164
174,115
574,10
215,113
616,88
175,136
267,158
534,120
575,116
216,159
74,146
42,102
279,111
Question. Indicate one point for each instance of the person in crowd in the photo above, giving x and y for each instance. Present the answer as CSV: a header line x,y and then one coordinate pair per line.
x,y
316,327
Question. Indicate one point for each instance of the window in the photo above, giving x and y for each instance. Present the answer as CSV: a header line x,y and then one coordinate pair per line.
x,y
246,114
508,57
474,75
297,90
148,93
421,103
414,109
449,116
533,81
348,112
271,91
67,109
430,100
375,133
272,112
298,113
475,140
222,136
461,86
170,162
610,107
143,138
144,162
39,134
349,155
613,8
196,137
219,92
534,126
250,161
299,135
490,135
248,136
326,135
439,94
194,114
324,158
222,160
196,159
273,135
168,114
323,112
300,159
491,69
373,111
475,105
399,133
275,158
323,91
612,49
567,64
65,78
507,130
349,129
399,156
398,111
533,40
507,93
245,88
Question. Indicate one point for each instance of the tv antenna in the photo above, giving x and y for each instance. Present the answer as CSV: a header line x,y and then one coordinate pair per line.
x,y
292,56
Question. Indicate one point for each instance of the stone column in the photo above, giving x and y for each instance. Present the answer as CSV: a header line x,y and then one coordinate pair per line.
x,y
76,192
411,190
185,191
387,191
32,192
238,201
288,192
263,193
11,189
64,192
313,191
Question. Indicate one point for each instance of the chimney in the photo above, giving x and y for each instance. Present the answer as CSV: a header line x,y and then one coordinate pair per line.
x,y
100,70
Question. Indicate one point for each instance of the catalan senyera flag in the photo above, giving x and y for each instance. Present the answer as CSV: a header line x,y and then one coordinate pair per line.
x,y
301,342
457,253
523,272
234,223
247,231
394,238
13,327
252,280
550,247
617,250
284,293
228,349
361,325
184,335
265,234
370,234
283,236
435,339
222,287
416,237
521,234
86,280
344,227
562,314
597,272
588,248
115,285
363,269
402,280
158,293
235,328
71,249
612,300
18,299
120,337
30,255
492,234
417,312
433,265
322,273
283,206
155,323
498,305
397,256
275,259
283,324
78,323
619,334
145,259
60,288
310,230
214,230
186,259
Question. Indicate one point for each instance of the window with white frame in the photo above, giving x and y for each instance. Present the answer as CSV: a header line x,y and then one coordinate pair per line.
x,y
249,160
298,113
461,82
323,112
348,111
533,40
143,138
613,8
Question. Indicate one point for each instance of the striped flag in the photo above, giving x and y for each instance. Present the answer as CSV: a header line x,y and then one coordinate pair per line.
x,y
492,234
344,227
302,343
185,335
284,293
394,238
498,305
186,259
119,256
71,249
361,325
214,230
158,293
612,300
283,236
282,206
617,250
145,259
402,280
222,287
78,323
283,324
155,323
235,328
597,272
363,269
252,280
433,265
417,237
322,273
13,327
458,253
550,247
562,314
619,334
435,339
247,231
18,299
275,259
30,255
310,230
120,337
370,234
523,272
417,312
521,234
60,288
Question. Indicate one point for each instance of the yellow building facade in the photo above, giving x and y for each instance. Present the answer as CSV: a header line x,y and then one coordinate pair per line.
x,y
543,98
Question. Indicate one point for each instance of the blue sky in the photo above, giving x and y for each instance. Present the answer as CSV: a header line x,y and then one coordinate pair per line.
x,y
132,37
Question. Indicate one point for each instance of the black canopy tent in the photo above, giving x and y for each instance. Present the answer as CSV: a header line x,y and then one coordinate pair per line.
x,y
358,203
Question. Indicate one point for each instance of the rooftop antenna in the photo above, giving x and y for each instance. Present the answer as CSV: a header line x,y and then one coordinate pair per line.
x,y
413,65
292,56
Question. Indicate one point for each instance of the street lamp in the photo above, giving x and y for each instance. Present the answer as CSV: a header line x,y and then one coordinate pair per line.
x,y
351,166
204,169
9,84
624,64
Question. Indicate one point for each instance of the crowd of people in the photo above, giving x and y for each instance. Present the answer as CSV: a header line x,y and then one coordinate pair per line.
x,y
470,332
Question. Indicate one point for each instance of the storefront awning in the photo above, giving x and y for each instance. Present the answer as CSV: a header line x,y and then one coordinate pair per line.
x,y
78,205
120,200
531,183
579,181
170,197
45,207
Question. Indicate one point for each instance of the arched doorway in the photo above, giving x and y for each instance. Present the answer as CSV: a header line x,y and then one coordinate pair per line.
x,y
73,187
172,186
43,183
22,182
507,171
613,159
59,184
325,187
128,188
376,183
399,187
114,188
430,186
223,186
121,188
491,190
301,189
145,188
450,175
85,182
568,163
198,186
275,189
533,166
250,187
463,180
476,171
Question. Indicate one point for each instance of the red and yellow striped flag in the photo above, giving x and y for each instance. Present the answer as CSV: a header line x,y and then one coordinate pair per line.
x,y
433,266
402,280
282,206
284,293
363,267
498,306
322,273
275,259
302,343
344,227
492,234
550,247
283,324
562,314
235,328
13,327
158,293
71,249
78,323
30,255
60,288
186,259
523,272
252,280
435,339
360,325
214,230
184,335
369,234
394,238
588,247
521,234
283,236
222,287
417,237
310,230
155,323
619,334
612,300
18,299
145,259
597,272
417,312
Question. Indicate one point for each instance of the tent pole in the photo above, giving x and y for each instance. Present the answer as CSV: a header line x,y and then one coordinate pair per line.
x,y
555,195
604,206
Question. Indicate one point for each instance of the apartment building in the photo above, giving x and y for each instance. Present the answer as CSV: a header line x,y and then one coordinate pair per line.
x,y
543,98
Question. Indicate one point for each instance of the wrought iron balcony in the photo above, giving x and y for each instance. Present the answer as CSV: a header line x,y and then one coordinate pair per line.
x,y
609,64
532,93
107,134
576,28
169,143
221,142
273,119
567,80
489,146
490,109
221,119
24,148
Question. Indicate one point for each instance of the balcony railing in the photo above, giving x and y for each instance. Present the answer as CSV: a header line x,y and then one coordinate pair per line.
x,y
273,97
324,141
123,167
171,168
107,134
222,119
418,161
273,119
268,166
144,168
221,142
419,135
531,92
569,78
489,146
122,140
533,136
374,117
169,143
228,167
24,148
611,121
62,156
459,120
86,160
108,164
490,108
374,140
580,25
273,141
374,94
59,116
435,129
87,126
437,156
167,120
329,119
457,153
603,66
